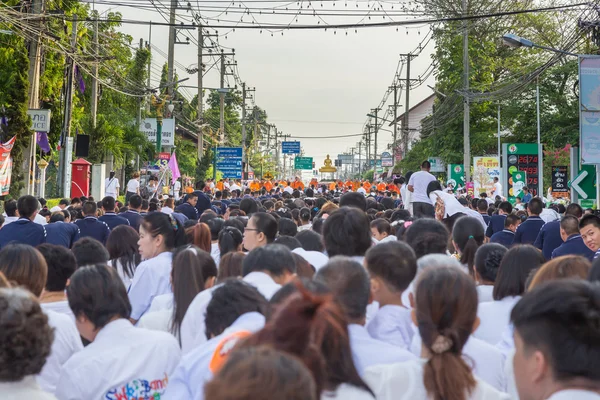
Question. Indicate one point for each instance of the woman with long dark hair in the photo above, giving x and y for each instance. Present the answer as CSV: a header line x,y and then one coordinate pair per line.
x,y
122,246
304,219
230,240
467,235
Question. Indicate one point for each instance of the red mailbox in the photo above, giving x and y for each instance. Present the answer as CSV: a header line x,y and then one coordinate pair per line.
x,y
80,178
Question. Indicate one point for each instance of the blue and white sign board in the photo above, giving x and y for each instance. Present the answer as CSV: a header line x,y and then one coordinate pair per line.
x,y
589,121
386,159
229,162
290,147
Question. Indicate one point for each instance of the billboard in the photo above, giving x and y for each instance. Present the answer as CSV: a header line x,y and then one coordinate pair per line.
x,y
485,169
589,109
148,128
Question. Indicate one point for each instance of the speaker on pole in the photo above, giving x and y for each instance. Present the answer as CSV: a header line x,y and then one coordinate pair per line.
x,y
82,147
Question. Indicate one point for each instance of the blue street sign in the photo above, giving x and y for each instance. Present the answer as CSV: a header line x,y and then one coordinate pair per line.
x,y
229,162
290,147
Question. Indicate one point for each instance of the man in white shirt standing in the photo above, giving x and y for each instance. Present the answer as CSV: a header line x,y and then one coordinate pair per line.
x,y
361,190
417,185
111,186
497,188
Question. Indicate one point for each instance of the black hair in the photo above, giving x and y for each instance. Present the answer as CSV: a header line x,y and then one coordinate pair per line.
x,y
488,259
514,270
349,283
468,234
570,224
511,219
235,222
575,210
57,217
135,201
594,275
275,259
89,251
230,239
64,202
394,262
249,206
482,205
346,232
589,219
317,225
427,236
230,301
265,224
535,206
268,204
10,208
27,206
381,225
90,208
61,265
108,203
433,186
167,226
215,225
207,216
287,227
288,241
310,240
98,293
506,207
122,246
561,319
305,214
353,199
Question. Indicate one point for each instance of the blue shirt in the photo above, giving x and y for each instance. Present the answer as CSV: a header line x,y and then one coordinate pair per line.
x,y
203,203
529,230
113,220
188,210
549,239
574,245
134,217
91,227
22,231
526,198
505,238
62,234
495,225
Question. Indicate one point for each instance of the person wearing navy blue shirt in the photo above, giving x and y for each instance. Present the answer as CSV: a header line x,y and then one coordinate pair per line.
x,y
188,208
589,227
526,195
60,231
573,243
482,208
529,230
24,230
550,237
110,218
506,237
89,226
497,221
203,202
133,213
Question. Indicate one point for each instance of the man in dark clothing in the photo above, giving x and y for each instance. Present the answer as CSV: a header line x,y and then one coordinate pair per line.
x,y
133,213
60,232
89,226
550,238
24,230
506,237
203,202
573,243
529,230
496,223
110,218
482,208
189,207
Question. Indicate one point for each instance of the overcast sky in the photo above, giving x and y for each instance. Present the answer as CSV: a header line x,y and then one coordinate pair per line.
x,y
311,83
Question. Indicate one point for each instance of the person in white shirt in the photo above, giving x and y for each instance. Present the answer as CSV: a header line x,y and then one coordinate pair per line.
x,y
122,246
405,193
557,353
111,186
453,210
509,286
133,186
234,186
234,308
176,190
349,283
361,190
417,185
159,234
121,360
62,204
445,313
22,321
61,265
497,188
261,230
487,263
392,267
187,280
25,266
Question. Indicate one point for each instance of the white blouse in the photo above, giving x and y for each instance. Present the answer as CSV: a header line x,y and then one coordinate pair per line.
x,y
485,293
151,278
494,317
404,381
346,391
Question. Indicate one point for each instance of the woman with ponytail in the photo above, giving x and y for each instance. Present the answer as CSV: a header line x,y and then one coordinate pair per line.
x,y
230,240
305,215
467,236
159,235
445,314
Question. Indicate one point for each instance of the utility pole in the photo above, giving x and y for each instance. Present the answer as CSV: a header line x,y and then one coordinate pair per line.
x,y
222,99
359,157
67,149
35,53
467,111
200,97
171,55
368,140
395,89
138,115
352,168
94,99
244,144
405,120
149,47
376,111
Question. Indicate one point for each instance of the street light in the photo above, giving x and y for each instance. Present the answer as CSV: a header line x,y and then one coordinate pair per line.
x,y
512,40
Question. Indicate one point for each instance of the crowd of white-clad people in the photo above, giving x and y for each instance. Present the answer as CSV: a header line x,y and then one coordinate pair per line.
x,y
300,296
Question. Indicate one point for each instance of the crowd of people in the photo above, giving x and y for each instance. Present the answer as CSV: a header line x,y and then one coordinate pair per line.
x,y
408,292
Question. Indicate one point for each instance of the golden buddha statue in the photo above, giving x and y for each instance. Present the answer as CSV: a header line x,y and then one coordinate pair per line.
x,y
327,166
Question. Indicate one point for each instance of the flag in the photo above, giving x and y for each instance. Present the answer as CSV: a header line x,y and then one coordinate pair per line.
x,y
80,81
174,167
42,141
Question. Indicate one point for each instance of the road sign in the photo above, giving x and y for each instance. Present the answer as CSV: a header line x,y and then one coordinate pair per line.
x,y
437,165
290,147
229,162
386,159
378,162
303,163
559,179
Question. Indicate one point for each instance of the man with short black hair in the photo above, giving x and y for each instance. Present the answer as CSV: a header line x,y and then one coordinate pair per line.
x,y
550,237
133,213
62,204
496,223
482,208
589,226
24,230
110,218
422,205
573,243
506,237
89,251
203,202
10,209
188,208
89,226
61,265
528,231
60,232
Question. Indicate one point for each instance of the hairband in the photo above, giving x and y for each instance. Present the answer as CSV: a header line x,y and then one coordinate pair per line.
x,y
471,237
192,249
407,224
173,222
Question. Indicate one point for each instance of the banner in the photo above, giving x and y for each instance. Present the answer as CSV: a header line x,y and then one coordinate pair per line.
x,y
6,165
559,179
589,107
456,175
485,169
519,180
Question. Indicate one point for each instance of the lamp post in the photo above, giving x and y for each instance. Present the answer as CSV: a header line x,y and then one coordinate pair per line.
x,y
513,40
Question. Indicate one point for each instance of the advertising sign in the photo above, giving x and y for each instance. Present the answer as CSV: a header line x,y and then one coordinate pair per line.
x,y
387,160
229,162
521,157
456,175
40,120
148,128
6,165
485,169
518,181
559,179
589,108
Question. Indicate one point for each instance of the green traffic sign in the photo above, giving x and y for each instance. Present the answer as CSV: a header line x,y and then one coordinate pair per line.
x,y
303,163
585,182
